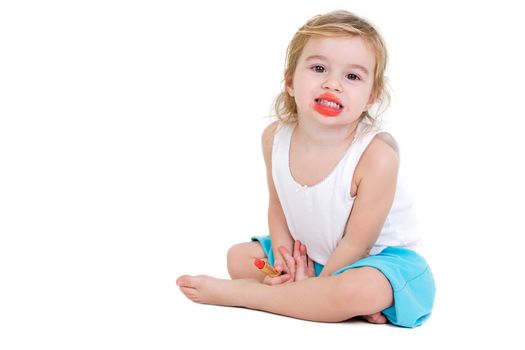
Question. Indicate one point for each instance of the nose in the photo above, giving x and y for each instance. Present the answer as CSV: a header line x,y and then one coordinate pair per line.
x,y
332,83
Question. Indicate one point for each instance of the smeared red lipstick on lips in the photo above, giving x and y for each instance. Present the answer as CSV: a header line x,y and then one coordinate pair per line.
x,y
328,105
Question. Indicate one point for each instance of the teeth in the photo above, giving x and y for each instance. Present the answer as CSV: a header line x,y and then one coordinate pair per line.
x,y
330,104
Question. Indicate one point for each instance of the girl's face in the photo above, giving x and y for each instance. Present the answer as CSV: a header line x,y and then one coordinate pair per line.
x,y
333,80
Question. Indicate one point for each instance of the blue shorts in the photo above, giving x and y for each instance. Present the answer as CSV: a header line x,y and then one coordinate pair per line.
x,y
407,272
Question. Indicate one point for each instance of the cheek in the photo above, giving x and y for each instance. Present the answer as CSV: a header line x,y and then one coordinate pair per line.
x,y
302,98
364,96
357,103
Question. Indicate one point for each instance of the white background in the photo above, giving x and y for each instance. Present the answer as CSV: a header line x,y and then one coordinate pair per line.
x,y
130,154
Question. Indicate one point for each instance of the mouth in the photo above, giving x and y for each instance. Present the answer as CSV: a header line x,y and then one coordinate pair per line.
x,y
328,105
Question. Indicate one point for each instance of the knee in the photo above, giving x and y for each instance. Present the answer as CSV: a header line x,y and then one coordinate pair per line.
x,y
361,294
239,259
235,252
235,255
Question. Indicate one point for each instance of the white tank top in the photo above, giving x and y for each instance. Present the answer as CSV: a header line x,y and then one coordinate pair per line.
x,y
317,215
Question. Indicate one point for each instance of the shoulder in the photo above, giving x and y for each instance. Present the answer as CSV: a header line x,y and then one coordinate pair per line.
x,y
381,157
376,173
267,139
269,132
386,139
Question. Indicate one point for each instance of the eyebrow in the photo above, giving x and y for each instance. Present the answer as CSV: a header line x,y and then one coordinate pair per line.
x,y
352,65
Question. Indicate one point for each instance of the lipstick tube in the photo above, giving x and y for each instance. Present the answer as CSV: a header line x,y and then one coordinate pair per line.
x,y
266,268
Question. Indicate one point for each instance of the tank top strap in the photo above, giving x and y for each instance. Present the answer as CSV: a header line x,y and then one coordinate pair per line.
x,y
283,134
280,156
364,135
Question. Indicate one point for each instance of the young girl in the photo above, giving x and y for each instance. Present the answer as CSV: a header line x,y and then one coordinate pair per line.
x,y
341,226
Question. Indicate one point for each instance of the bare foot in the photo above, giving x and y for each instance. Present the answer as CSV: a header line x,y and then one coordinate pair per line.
x,y
377,318
210,290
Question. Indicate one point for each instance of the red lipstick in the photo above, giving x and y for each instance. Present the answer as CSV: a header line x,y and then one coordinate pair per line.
x,y
328,105
266,268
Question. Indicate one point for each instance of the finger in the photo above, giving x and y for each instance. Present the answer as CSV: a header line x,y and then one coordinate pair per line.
x,y
296,246
300,263
288,279
297,256
289,261
303,254
288,258
281,266
273,281
311,267
278,265
281,279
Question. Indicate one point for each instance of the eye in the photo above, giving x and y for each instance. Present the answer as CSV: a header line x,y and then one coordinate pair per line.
x,y
318,68
352,76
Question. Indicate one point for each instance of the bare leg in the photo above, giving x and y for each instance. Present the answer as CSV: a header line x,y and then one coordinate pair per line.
x,y
361,291
240,260
240,266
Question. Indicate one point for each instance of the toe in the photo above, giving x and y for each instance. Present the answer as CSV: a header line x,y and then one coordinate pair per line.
x,y
185,281
377,318
190,293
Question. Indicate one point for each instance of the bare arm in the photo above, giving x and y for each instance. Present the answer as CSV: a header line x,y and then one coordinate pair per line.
x,y
279,233
376,186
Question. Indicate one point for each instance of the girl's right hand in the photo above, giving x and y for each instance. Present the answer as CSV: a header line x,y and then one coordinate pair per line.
x,y
284,277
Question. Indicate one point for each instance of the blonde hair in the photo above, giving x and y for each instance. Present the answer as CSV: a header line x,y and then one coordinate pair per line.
x,y
332,24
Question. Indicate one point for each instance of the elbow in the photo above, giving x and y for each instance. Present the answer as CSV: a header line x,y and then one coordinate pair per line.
x,y
359,251
364,251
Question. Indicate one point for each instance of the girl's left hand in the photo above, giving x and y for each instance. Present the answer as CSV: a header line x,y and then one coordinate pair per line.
x,y
304,265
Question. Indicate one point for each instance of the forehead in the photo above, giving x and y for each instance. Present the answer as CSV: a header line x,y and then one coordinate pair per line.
x,y
341,50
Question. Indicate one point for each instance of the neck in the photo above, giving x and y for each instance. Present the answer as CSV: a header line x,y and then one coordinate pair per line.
x,y
325,137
